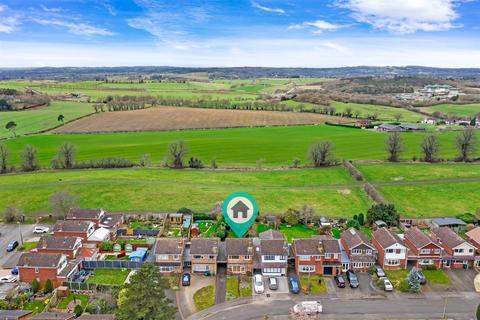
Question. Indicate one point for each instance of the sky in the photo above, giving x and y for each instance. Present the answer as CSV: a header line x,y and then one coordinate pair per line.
x,y
268,33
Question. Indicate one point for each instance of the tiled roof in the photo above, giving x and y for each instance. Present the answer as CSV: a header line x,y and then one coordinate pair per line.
x,y
417,237
204,246
271,234
386,238
169,246
331,246
474,234
448,237
72,226
354,238
13,314
57,243
81,213
308,247
39,260
274,247
53,316
238,247
97,317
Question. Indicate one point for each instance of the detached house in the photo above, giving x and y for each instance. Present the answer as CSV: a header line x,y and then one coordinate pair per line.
x,y
68,246
239,254
204,253
43,266
72,228
361,253
317,256
80,214
271,254
169,254
422,250
457,252
392,252
473,236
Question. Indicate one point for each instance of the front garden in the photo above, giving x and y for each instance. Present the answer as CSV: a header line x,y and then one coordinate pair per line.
x,y
238,287
204,298
314,284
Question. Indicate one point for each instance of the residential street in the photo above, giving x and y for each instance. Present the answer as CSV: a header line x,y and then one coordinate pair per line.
x,y
9,232
461,306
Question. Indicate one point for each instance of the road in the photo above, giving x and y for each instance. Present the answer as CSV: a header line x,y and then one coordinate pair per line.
x,y
9,232
404,307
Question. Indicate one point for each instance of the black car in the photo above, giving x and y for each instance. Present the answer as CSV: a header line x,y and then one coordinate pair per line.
x,y
12,245
421,277
340,281
352,279
186,279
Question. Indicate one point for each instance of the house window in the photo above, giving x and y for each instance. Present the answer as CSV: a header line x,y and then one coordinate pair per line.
x,y
398,251
458,250
437,251
356,251
235,257
237,269
201,268
197,257
247,257
282,258
393,262
389,250
176,257
166,269
426,262
304,257
268,257
37,270
211,257
163,257
470,250
306,268
272,270
368,251
425,251
358,264
328,256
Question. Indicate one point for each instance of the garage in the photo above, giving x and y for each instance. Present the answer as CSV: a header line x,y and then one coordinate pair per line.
x,y
328,271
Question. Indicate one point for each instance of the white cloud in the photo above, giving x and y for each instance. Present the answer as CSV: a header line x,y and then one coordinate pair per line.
x,y
335,46
51,10
9,24
3,7
404,16
257,5
81,29
318,26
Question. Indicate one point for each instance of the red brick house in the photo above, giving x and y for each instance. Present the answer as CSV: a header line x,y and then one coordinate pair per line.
x,y
422,250
81,214
68,246
457,252
392,252
239,253
72,228
317,256
43,266
15,314
473,236
361,253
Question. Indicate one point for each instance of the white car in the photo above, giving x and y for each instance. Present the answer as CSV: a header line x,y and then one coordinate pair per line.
x,y
308,308
8,278
41,229
258,284
388,286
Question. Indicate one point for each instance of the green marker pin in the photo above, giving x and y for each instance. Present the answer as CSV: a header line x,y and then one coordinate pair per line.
x,y
240,211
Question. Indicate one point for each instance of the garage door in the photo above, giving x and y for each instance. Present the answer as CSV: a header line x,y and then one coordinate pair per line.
x,y
328,270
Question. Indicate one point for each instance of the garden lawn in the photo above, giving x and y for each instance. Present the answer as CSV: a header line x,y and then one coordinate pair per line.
x,y
316,287
396,277
436,277
204,298
27,246
83,298
331,191
262,227
36,306
109,277
236,289
232,288
298,231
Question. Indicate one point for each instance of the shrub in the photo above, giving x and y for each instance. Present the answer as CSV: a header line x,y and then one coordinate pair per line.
x,y
291,217
373,193
354,172
430,267
478,312
35,285
384,212
353,224
372,270
106,163
403,286
106,246
48,286
78,310
195,163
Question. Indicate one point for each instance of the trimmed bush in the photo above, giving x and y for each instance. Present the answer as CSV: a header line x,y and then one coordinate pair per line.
x,y
374,194
354,172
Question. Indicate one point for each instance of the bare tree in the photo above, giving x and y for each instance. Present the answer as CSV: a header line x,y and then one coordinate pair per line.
x,y
11,214
66,155
29,158
61,202
466,144
306,214
321,154
430,148
145,160
177,152
398,116
394,146
4,155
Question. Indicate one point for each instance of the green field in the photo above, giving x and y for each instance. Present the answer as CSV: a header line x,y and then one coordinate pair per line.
x,y
383,112
331,191
276,146
459,110
42,118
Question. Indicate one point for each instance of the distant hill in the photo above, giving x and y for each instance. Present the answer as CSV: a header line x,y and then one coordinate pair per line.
x,y
70,73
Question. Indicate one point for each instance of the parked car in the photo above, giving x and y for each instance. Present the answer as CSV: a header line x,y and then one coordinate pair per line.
x,y
387,285
186,278
41,229
294,285
421,277
8,278
308,308
352,279
340,281
272,283
258,284
14,271
12,245
379,271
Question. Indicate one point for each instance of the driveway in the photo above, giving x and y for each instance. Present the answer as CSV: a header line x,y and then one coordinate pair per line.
x,y
463,280
221,284
282,287
9,232
185,294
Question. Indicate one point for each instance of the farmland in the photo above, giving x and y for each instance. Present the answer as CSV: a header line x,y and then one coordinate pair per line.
x,y
460,110
382,112
175,118
275,146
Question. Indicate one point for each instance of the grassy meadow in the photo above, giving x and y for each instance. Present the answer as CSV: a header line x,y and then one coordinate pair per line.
x,y
459,110
384,113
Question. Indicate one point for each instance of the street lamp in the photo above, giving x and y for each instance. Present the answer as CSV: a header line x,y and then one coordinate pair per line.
x,y
21,235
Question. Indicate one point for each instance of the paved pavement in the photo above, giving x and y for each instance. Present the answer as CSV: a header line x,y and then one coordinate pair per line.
x,y
184,296
462,280
9,232
221,284
282,287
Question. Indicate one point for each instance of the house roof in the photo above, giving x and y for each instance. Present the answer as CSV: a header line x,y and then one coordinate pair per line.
x,y
72,226
474,234
308,247
274,247
417,237
97,317
448,237
57,243
353,238
110,221
445,222
331,246
82,213
53,316
271,234
40,260
238,247
204,246
13,314
386,238
101,234
169,246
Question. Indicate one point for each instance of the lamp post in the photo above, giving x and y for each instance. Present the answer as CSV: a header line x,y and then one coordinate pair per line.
x,y
21,235
444,308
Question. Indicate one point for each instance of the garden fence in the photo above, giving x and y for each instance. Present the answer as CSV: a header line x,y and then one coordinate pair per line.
x,y
111,264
